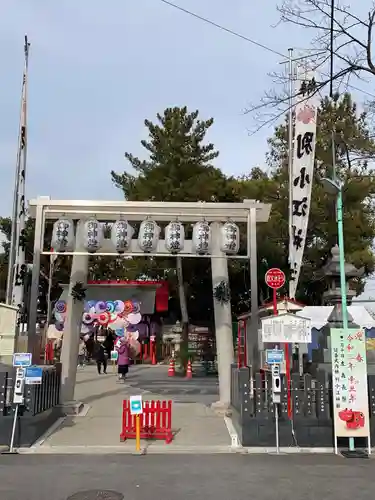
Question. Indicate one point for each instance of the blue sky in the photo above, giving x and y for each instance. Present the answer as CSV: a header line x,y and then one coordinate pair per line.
x,y
98,69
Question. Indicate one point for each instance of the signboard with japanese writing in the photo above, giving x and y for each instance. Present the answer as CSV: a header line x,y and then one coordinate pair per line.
x,y
302,171
286,328
349,381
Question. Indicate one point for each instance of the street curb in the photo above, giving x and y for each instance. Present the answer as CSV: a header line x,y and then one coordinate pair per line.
x,y
171,450
236,444
118,450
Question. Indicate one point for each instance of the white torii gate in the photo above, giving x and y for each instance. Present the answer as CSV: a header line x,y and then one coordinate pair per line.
x,y
249,212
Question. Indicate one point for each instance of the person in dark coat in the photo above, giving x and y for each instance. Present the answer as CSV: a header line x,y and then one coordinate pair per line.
x,y
100,357
109,343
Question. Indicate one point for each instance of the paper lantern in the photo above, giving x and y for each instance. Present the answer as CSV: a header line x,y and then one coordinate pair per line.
x,y
148,236
63,236
121,235
92,235
174,237
229,238
201,241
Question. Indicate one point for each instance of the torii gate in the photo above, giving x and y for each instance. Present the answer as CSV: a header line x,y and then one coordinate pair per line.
x,y
249,212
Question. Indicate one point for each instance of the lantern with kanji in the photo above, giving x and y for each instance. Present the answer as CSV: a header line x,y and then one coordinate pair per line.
x,y
201,241
174,237
121,235
229,238
63,235
148,236
92,235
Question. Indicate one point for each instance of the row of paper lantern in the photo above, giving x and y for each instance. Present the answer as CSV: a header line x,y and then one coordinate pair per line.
x,y
63,236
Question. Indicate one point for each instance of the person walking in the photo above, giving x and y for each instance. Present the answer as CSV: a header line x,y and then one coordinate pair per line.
x,y
81,353
123,359
109,343
100,358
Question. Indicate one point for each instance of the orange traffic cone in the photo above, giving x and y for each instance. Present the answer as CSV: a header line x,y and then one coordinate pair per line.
x,y
153,358
189,371
171,369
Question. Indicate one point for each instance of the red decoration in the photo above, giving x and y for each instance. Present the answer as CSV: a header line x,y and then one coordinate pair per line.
x,y
275,278
306,115
354,419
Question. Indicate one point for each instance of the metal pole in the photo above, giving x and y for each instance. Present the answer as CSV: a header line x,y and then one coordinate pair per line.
x,y
277,428
340,237
16,195
11,446
340,230
290,152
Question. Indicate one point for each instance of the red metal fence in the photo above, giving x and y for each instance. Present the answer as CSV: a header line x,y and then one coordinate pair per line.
x,y
156,421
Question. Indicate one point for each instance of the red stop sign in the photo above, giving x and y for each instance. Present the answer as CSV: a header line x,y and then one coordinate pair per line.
x,y
275,278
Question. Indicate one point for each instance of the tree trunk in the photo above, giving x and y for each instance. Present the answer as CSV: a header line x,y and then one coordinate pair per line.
x,y
184,313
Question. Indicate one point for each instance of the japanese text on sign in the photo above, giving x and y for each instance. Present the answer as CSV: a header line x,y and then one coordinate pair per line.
x,y
349,380
286,328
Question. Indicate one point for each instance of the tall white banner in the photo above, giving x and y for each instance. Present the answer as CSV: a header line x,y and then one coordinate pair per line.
x,y
306,111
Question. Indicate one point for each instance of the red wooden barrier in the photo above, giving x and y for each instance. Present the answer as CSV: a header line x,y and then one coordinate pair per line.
x,y
156,421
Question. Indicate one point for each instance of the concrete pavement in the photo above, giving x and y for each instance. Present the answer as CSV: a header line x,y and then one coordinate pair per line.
x,y
216,477
195,424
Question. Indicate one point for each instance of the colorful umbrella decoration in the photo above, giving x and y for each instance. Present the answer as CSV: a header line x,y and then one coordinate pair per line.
x,y
128,306
60,306
112,317
103,318
121,316
101,307
119,306
88,318
110,306
136,307
134,318
59,317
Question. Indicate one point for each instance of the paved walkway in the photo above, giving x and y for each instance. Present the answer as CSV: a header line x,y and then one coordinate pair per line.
x,y
194,422
188,477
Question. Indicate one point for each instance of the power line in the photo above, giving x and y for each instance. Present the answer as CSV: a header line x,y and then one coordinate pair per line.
x,y
223,28
245,38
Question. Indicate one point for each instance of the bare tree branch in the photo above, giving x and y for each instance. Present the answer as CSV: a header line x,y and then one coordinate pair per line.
x,y
352,48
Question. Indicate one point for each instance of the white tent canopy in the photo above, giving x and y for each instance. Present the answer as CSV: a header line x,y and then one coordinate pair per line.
x,y
319,316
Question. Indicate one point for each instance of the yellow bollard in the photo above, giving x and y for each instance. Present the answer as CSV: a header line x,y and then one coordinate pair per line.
x,y
137,433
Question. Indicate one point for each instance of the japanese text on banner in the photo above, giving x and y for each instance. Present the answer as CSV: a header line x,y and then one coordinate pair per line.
x,y
302,172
